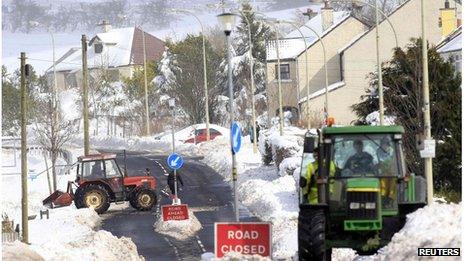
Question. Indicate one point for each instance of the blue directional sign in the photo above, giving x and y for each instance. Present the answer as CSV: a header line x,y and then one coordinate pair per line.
x,y
236,137
175,161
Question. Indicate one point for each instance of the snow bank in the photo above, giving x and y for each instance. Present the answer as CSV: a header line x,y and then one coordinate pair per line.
x,y
179,229
267,195
37,185
232,256
188,132
436,225
19,251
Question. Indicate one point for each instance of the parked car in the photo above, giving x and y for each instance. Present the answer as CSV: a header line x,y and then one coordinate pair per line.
x,y
200,135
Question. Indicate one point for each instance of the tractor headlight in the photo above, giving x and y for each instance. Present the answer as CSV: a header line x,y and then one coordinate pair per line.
x,y
354,205
370,205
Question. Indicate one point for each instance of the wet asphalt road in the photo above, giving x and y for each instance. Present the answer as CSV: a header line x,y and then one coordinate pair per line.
x,y
205,193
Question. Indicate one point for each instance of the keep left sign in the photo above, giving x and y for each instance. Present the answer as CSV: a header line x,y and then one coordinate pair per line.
x,y
246,238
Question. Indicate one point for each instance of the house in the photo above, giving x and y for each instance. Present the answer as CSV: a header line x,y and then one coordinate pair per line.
x,y
350,65
450,48
335,29
114,52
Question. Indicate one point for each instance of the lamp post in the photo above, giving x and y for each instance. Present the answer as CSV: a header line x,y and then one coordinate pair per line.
x,y
326,105
172,105
205,80
306,66
279,80
145,84
227,21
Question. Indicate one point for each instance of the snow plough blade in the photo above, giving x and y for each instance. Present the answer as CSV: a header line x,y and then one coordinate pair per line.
x,y
59,198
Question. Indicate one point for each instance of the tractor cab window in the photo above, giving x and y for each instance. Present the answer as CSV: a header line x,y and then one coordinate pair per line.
x,y
365,155
111,169
93,169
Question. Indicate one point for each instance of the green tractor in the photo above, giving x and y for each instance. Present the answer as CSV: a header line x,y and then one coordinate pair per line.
x,y
355,191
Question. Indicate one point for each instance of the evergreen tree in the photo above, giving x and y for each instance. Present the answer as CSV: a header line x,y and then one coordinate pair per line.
x,y
402,78
260,32
182,77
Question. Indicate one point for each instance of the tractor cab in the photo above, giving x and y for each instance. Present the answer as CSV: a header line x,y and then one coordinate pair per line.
x,y
354,179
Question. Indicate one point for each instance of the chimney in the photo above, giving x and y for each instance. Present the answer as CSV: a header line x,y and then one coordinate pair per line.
x,y
448,20
105,26
326,16
310,13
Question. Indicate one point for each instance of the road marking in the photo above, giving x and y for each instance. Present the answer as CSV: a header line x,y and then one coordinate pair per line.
x,y
200,244
162,167
173,246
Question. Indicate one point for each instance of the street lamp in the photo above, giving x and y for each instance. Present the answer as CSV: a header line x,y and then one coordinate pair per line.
x,y
205,80
227,22
306,66
326,106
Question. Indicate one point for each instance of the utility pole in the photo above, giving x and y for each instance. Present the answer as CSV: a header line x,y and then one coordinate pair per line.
x,y
24,205
379,66
85,95
147,113
427,125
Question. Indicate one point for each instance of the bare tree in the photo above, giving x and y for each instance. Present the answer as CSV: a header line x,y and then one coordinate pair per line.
x,y
52,129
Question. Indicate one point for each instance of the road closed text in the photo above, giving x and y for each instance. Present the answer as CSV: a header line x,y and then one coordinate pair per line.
x,y
244,238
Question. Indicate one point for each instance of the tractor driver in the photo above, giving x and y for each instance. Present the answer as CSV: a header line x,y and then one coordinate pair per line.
x,y
308,183
361,161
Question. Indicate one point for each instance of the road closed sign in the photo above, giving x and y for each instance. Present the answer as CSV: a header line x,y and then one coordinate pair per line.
x,y
175,212
246,238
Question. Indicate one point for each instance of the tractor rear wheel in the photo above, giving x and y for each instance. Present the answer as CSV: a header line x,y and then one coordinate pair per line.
x,y
94,196
311,236
144,199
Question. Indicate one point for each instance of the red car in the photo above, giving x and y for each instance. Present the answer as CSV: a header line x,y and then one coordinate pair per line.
x,y
200,135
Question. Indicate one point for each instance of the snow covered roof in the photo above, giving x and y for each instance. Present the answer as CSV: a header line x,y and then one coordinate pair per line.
x,y
292,45
451,43
121,47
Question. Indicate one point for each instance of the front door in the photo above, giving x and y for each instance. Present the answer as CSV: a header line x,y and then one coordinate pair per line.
x,y
114,178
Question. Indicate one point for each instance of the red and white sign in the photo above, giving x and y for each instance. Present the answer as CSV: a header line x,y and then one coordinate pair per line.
x,y
175,212
245,238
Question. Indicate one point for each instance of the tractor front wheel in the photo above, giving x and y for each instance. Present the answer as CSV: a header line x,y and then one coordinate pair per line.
x,y
93,196
311,236
144,199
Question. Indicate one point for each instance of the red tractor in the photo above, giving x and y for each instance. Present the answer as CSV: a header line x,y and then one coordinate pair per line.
x,y
100,182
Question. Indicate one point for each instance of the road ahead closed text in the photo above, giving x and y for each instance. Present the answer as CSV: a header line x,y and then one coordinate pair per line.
x,y
245,238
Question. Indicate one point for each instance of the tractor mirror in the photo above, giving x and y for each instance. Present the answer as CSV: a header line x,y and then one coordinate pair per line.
x,y
309,143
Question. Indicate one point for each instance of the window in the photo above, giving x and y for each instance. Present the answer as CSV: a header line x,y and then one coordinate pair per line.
x,y
284,71
111,169
93,169
98,47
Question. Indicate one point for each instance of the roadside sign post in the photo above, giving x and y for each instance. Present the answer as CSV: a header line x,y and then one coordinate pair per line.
x,y
236,142
248,238
175,162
